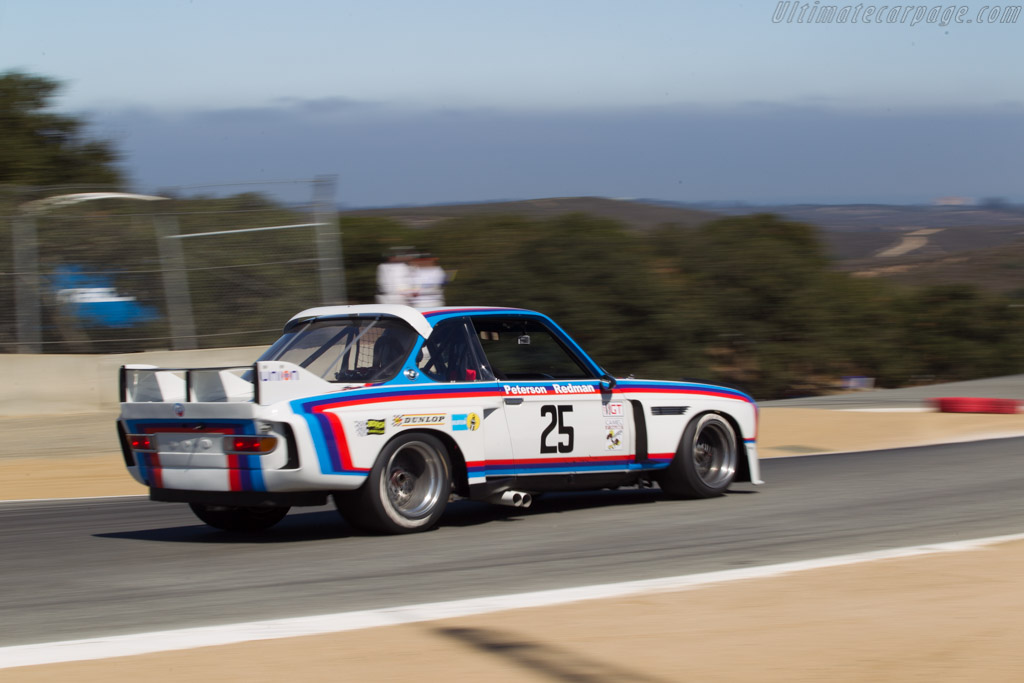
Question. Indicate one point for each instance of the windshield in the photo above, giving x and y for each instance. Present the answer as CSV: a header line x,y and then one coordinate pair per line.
x,y
351,350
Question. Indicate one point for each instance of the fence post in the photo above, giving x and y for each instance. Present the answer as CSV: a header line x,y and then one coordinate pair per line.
x,y
176,292
328,243
26,284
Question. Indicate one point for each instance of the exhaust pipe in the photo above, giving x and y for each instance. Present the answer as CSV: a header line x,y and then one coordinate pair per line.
x,y
518,499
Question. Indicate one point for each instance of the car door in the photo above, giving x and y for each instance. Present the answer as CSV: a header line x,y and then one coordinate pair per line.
x,y
552,401
452,356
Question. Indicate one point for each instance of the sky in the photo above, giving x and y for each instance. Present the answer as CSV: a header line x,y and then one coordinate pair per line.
x,y
456,101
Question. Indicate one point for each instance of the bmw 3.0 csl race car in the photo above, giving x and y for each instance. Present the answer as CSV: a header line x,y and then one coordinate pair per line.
x,y
391,412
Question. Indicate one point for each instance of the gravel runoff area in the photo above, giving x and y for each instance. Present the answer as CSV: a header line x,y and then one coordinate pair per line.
x,y
948,617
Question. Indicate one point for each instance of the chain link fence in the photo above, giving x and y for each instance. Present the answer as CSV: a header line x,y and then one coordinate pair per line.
x,y
85,270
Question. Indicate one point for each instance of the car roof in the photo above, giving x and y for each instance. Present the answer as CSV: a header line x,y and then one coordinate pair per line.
x,y
435,315
407,313
421,321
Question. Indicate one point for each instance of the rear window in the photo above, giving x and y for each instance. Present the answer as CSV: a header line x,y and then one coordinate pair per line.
x,y
351,350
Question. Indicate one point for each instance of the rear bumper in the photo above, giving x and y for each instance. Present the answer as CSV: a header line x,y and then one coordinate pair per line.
x,y
753,462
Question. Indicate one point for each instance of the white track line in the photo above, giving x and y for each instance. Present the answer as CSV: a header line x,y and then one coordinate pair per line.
x,y
975,438
205,636
62,500
886,410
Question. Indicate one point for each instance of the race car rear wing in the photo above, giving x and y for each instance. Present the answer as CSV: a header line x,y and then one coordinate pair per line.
x,y
263,382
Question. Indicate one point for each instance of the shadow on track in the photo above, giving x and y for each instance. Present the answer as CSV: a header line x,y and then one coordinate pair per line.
x,y
297,527
464,513
326,524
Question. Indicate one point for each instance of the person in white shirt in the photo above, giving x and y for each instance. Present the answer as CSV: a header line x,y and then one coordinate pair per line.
x,y
395,283
428,282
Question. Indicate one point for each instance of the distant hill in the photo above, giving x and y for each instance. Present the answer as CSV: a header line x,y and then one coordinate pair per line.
x,y
914,245
875,217
919,243
638,215
997,268
925,245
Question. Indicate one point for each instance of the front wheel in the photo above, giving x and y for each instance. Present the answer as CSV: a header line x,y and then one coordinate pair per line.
x,y
705,463
239,518
407,489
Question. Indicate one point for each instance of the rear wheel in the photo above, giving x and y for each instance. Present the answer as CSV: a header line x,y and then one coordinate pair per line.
x,y
407,489
239,518
705,463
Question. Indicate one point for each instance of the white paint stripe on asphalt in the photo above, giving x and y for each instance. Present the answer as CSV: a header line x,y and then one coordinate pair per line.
x,y
887,410
205,636
766,454
61,500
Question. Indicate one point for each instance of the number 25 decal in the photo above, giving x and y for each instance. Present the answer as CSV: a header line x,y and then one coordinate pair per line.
x,y
557,415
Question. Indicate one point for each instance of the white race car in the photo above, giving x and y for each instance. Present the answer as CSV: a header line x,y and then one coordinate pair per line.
x,y
392,412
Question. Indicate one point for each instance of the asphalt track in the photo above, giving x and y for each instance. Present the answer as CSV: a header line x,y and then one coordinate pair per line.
x,y
77,569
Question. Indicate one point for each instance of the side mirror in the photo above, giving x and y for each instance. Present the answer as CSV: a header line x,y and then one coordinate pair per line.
x,y
608,382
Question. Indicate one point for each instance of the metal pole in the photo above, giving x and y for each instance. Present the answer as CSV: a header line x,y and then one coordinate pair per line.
x,y
26,285
176,292
328,242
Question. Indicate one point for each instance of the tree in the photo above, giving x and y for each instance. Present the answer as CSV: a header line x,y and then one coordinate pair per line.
x,y
590,274
957,331
40,147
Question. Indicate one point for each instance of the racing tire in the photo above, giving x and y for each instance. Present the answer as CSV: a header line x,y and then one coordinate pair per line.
x,y
239,518
705,462
406,491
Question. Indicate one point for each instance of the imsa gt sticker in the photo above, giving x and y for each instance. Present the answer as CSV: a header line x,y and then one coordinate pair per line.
x,y
611,410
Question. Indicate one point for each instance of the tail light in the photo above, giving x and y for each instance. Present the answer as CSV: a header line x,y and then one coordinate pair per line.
x,y
249,444
140,442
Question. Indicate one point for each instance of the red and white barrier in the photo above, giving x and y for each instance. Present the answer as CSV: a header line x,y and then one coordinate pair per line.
x,y
966,404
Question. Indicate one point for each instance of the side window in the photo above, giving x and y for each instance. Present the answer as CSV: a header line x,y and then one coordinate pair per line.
x,y
449,355
524,349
